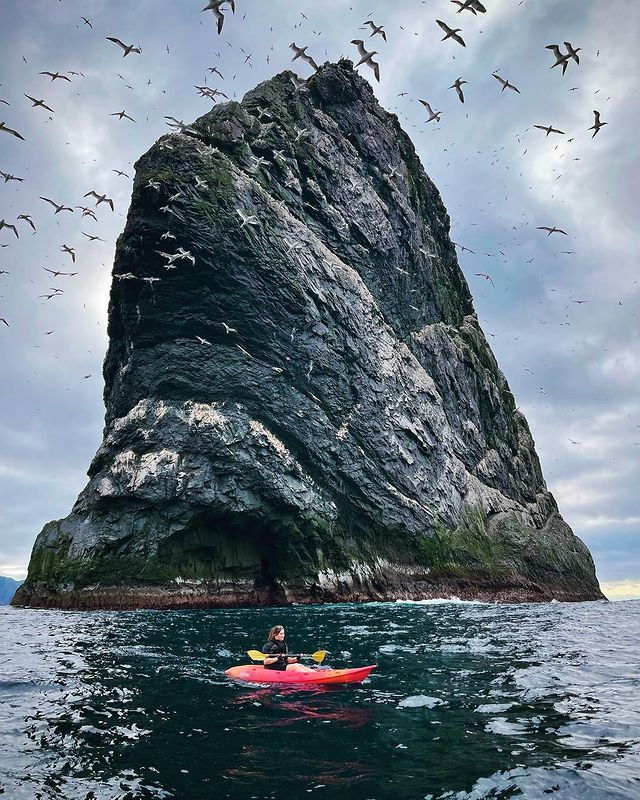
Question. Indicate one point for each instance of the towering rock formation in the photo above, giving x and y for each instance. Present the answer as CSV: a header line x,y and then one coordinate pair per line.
x,y
305,409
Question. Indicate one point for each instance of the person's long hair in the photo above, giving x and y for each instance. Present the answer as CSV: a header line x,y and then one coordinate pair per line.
x,y
274,632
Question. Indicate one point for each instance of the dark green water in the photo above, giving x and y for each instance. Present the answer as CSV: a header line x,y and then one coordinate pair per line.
x,y
468,701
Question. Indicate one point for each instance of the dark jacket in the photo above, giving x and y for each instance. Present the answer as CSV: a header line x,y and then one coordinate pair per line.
x,y
274,648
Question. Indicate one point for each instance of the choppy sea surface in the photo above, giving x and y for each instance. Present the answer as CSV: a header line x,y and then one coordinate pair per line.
x,y
469,701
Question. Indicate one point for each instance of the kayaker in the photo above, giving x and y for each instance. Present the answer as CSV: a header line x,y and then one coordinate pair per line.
x,y
280,660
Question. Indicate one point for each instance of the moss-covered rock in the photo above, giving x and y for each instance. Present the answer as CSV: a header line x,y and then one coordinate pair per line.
x,y
302,407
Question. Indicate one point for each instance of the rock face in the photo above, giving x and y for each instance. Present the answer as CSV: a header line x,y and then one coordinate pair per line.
x,y
305,410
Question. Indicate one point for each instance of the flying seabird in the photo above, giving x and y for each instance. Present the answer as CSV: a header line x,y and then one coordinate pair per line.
x,y
376,29
101,198
214,5
88,212
66,249
551,230
120,173
597,124
4,224
9,177
457,86
506,84
548,129
57,207
128,48
86,22
450,33
228,328
27,219
121,114
92,238
561,58
38,103
469,5
300,52
367,58
573,52
4,128
54,75
432,114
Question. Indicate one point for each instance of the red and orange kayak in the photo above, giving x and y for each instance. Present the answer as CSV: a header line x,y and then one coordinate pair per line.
x,y
254,673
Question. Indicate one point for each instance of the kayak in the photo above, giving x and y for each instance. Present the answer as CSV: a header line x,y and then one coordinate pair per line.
x,y
254,673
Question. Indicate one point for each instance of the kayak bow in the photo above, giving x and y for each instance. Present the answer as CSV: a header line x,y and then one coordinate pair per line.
x,y
254,673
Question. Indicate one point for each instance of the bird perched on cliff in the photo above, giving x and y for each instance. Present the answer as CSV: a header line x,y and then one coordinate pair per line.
x,y
299,83
450,33
215,6
367,58
548,129
551,230
597,124
376,29
258,162
432,114
457,85
506,84
128,48
101,198
37,103
301,52
247,219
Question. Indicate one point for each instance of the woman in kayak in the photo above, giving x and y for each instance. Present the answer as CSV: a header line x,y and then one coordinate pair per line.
x,y
276,649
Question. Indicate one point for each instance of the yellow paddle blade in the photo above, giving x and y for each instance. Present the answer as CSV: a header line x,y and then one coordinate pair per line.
x,y
319,655
256,655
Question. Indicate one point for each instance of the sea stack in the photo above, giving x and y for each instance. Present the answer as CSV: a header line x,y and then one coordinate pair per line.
x,y
303,408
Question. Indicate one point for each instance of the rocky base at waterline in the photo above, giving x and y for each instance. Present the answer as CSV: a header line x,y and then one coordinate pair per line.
x,y
203,595
302,407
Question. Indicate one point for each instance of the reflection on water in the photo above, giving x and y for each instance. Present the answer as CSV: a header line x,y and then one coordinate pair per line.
x,y
469,701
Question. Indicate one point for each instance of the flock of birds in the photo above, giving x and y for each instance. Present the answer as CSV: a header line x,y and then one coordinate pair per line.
x,y
366,57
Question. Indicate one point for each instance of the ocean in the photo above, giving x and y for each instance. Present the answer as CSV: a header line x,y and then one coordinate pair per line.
x,y
469,701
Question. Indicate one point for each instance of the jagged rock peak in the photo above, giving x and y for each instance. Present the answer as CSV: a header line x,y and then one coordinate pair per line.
x,y
300,403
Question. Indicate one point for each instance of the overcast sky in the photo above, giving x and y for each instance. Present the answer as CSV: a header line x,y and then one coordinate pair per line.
x,y
574,367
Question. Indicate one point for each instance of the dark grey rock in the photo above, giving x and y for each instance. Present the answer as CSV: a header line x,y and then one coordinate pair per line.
x,y
351,437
